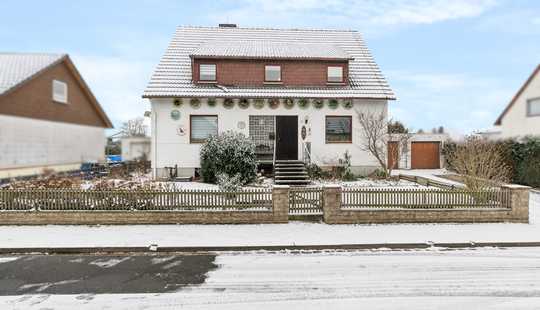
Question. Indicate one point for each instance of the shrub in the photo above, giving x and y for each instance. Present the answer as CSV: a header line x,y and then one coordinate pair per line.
x,y
231,153
229,184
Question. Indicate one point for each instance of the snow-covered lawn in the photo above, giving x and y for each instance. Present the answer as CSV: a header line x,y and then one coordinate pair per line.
x,y
294,233
423,279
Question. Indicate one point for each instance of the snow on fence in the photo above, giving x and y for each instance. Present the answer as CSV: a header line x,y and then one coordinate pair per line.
x,y
354,198
134,200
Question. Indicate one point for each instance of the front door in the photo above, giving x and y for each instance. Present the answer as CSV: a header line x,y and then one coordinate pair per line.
x,y
286,137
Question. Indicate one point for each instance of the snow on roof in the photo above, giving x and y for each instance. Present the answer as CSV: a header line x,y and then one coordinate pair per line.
x,y
269,50
16,68
173,76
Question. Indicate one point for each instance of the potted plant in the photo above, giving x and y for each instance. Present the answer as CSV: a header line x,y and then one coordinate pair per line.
x,y
347,103
273,103
258,103
195,103
333,103
289,103
228,103
243,103
303,103
211,102
318,103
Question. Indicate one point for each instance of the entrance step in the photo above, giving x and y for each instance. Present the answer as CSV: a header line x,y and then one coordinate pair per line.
x,y
290,172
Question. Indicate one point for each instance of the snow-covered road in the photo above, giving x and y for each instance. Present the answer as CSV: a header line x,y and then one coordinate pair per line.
x,y
420,279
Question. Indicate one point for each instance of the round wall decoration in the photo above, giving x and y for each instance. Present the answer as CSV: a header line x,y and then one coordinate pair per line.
x,y
175,115
333,103
211,102
288,103
273,103
195,103
347,103
177,102
241,125
258,103
228,103
318,103
243,103
303,103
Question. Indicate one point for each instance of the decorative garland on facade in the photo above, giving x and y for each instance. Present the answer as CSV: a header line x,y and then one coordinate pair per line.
x,y
347,103
243,103
318,103
303,103
258,103
195,103
177,102
288,103
273,103
228,103
333,103
211,102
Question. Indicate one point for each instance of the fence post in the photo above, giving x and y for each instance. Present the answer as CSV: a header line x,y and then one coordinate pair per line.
x,y
518,202
331,203
280,203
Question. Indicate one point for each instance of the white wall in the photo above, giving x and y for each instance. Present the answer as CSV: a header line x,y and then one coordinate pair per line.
x,y
515,123
26,142
135,147
170,148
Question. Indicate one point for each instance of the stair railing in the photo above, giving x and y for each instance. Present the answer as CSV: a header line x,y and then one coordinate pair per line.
x,y
306,154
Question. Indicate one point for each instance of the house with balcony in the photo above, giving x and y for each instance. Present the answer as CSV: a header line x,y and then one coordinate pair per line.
x,y
296,93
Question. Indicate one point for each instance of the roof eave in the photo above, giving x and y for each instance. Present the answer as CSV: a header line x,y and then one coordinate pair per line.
x,y
270,58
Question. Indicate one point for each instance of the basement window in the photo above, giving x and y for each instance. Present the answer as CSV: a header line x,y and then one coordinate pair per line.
x,y
202,127
272,73
335,75
339,129
59,91
207,72
533,107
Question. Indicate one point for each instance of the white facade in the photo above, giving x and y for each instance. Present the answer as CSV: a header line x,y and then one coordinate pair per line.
x,y
29,145
135,148
516,122
171,138
405,154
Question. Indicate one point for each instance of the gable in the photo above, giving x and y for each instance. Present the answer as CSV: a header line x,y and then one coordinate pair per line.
x,y
523,94
33,98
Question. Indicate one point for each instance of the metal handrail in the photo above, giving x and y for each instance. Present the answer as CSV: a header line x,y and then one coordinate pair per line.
x,y
305,152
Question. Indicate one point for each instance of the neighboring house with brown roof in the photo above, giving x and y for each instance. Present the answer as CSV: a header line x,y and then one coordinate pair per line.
x,y
49,118
294,92
521,117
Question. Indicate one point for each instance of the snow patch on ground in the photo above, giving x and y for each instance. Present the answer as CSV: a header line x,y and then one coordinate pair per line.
x,y
109,262
40,287
7,259
161,260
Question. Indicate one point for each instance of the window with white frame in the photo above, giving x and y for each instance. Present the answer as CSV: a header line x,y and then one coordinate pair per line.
x,y
59,91
207,72
202,127
272,73
335,74
533,107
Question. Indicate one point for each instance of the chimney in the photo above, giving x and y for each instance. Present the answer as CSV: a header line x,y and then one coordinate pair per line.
x,y
227,26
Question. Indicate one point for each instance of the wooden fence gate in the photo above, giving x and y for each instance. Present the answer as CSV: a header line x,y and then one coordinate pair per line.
x,y
305,201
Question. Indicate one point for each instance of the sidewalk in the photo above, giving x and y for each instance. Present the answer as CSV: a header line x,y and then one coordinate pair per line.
x,y
294,233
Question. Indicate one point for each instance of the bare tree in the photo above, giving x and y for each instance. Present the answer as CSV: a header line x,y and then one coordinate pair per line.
x,y
134,128
480,162
378,134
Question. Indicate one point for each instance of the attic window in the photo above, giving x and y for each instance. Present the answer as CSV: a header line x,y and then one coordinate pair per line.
x,y
59,91
207,72
272,73
335,75
533,107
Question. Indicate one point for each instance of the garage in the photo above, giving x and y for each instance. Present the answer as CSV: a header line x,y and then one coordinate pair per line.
x,y
425,155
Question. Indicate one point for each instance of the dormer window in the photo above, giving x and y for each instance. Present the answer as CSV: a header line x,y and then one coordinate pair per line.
x,y
207,72
272,73
335,75
59,91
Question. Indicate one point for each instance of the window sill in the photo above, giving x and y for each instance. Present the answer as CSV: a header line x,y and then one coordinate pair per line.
x,y
206,82
336,84
533,115
60,102
338,142
273,83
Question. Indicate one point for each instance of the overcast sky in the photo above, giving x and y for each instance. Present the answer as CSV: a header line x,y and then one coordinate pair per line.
x,y
453,63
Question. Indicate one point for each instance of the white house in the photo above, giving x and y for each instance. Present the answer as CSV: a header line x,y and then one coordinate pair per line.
x,y
521,117
135,147
294,92
49,118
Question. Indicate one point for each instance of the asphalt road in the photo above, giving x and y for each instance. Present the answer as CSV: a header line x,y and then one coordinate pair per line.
x,y
484,278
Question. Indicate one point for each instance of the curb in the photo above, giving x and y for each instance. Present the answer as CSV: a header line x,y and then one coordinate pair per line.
x,y
345,247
